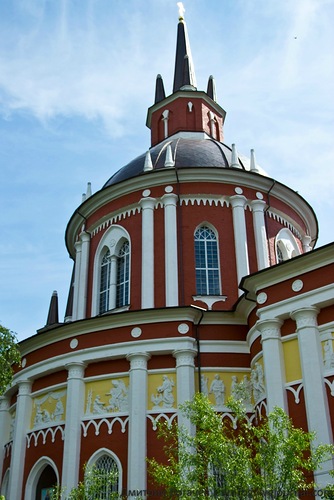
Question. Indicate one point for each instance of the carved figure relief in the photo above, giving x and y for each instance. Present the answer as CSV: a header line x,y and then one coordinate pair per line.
x,y
217,388
257,380
164,394
49,408
242,390
328,354
117,402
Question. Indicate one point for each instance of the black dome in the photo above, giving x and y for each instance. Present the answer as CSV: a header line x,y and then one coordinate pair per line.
x,y
186,153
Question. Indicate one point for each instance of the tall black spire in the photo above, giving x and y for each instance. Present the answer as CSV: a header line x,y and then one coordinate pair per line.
x,y
53,311
159,90
184,74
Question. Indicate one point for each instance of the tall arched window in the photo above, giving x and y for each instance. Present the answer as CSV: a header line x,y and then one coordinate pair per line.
x,y
207,263
105,283
106,471
123,268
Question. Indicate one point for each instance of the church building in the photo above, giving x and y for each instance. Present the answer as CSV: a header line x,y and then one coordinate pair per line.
x,y
194,270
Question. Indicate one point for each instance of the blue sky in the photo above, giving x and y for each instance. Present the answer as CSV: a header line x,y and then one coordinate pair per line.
x,y
76,79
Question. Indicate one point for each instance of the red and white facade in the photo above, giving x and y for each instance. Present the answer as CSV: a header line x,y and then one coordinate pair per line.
x,y
189,223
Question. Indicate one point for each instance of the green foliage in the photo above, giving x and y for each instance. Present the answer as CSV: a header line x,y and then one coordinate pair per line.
x,y
91,488
9,355
266,461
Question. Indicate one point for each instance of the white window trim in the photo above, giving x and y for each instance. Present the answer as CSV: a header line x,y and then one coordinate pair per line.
x,y
105,451
210,226
112,240
287,243
34,475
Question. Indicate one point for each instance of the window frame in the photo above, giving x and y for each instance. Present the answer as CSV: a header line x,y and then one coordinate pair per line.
x,y
216,269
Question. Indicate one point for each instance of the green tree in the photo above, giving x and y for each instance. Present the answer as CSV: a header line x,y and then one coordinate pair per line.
x,y
271,460
96,484
9,355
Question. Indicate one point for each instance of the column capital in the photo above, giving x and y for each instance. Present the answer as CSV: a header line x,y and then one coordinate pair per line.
x,y
138,360
258,205
305,316
269,328
238,200
4,403
185,357
85,237
147,203
169,199
78,245
76,370
24,387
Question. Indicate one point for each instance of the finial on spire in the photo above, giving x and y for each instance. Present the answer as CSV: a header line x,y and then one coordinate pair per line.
x,y
181,10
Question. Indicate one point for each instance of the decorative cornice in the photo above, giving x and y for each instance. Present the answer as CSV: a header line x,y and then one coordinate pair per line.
x,y
294,228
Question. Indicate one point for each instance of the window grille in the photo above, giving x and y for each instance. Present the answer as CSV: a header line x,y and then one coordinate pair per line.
x,y
123,270
206,259
105,283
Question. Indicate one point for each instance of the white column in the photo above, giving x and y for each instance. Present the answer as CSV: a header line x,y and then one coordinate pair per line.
x,y
274,368
317,412
260,234
22,423
74,412
137,421
5,421
240,236
171,260
113,282
185,380
77,246
147,268
83,275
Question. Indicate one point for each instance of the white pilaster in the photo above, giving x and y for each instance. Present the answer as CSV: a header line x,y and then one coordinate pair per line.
x,y
137,421
317,412
274,369
260,234
76,286
238,203
74,413
147,268
171,260
83,275
113,282
22,422
5,421
185,384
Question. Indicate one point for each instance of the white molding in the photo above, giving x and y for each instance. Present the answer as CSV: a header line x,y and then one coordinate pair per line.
x,y
34,475
98,420
225,346
319,297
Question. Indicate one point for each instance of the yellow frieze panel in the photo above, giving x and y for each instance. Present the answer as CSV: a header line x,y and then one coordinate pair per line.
x,y
49,409
107,396
328,352
162,392
219,386
292,360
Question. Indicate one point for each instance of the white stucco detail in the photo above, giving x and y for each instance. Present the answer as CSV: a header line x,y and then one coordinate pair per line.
x,y
274,369
238,203
22,420
316,403
137,421
83,276
74,413
171,257
147,268
260,233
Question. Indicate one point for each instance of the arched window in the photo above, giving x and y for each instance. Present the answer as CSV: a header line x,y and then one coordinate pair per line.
x,y
206,262
105,283
123,268
106,476
286,245
105,471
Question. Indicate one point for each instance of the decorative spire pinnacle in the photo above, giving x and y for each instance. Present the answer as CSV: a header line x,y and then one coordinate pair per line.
x,y
148,165
159,90
53,318
253,166
211,90
234,159
183,52
169,162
